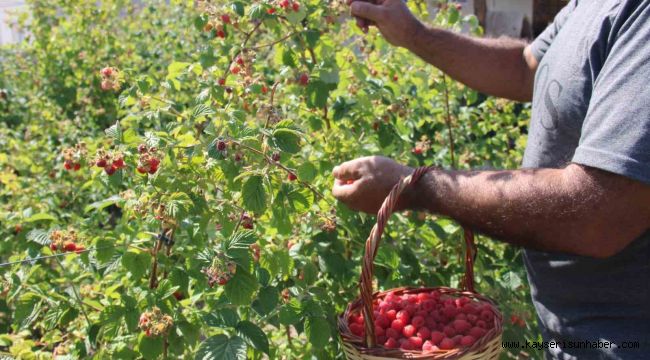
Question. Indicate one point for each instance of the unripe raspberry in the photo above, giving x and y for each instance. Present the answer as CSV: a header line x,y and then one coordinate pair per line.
x,y
142,148
107,71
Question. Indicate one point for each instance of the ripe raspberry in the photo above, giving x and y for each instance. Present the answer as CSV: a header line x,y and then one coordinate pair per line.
x,y
235,70
101,163
221,145
141,170
382,321
221,34
481,324
417,150
487,316
423,333
447,344
416,342
397,325
392,333
292,177
118,163
357,329
142,148
408,330
270,11
405,344
110,170
80,249
221,82
436,337
304,79
391,343
295,6
69,246
477,332
76,167
461,326
53,246
391,314
417,321
225,18
67,165
467,340
178,295
153,169
275,156
239,61
404,316
264,89
284,4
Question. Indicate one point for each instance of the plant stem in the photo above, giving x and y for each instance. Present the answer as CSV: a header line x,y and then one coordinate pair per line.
x,y
448,122
76,294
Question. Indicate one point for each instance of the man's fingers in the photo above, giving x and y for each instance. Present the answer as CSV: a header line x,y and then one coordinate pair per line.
x,y
346,171
367,11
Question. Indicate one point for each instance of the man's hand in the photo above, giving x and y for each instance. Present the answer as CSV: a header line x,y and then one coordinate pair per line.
x,y
363,184
392,17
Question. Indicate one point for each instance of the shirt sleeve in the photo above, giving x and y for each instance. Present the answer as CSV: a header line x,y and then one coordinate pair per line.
x,y
616,131
544,40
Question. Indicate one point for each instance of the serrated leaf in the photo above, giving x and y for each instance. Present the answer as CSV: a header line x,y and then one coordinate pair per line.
x,y
254,194
222,318
136,263
241,288
201,110
150,347
318,331
99,205
287,140
221,347
39,236
114,132
253,335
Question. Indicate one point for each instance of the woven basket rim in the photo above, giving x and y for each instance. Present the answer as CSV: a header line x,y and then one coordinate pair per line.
x,y
358,342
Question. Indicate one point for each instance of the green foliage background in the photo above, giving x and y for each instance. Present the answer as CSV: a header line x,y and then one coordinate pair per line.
x,y
364,97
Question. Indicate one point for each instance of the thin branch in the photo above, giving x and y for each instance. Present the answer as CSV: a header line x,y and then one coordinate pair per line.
x,y
448,121
76,294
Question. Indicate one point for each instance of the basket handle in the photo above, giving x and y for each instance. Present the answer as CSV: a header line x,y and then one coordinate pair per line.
x,y
372,245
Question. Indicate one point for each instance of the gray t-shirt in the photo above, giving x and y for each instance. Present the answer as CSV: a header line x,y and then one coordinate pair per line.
x,y
591,106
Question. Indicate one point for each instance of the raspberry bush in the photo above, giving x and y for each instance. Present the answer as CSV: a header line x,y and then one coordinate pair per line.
x,y
176,159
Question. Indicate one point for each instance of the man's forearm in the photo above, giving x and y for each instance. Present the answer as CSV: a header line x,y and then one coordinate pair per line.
x,y
496,67
564,210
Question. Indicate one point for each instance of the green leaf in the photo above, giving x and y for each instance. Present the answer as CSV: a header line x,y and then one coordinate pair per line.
x,y
150,347
175,69
241,288
40,216
221,347
201,110
253,335
222,318
287,140
254,194
99,205
39,236
318,331
105,249
114,132
454,15
136,263
290,312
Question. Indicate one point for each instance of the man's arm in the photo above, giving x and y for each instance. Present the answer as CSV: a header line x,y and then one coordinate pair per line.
x,y
499,67
577,210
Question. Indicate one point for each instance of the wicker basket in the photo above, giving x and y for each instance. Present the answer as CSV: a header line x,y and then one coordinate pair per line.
x,y
358,348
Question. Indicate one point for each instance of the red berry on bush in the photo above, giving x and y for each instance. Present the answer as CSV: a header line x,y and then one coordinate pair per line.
x,y
235,70
69,246
292,176
295,6
264,89
142,148
221,34
178,295
110,170
284,4
76,166
221,145
270,11
141,170
80,249
225,18
303,79
221,81
100,163
53,246
275,156
118,163
67,165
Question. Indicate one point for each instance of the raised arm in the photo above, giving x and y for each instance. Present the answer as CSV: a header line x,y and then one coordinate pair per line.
x,y
577,209
500,67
